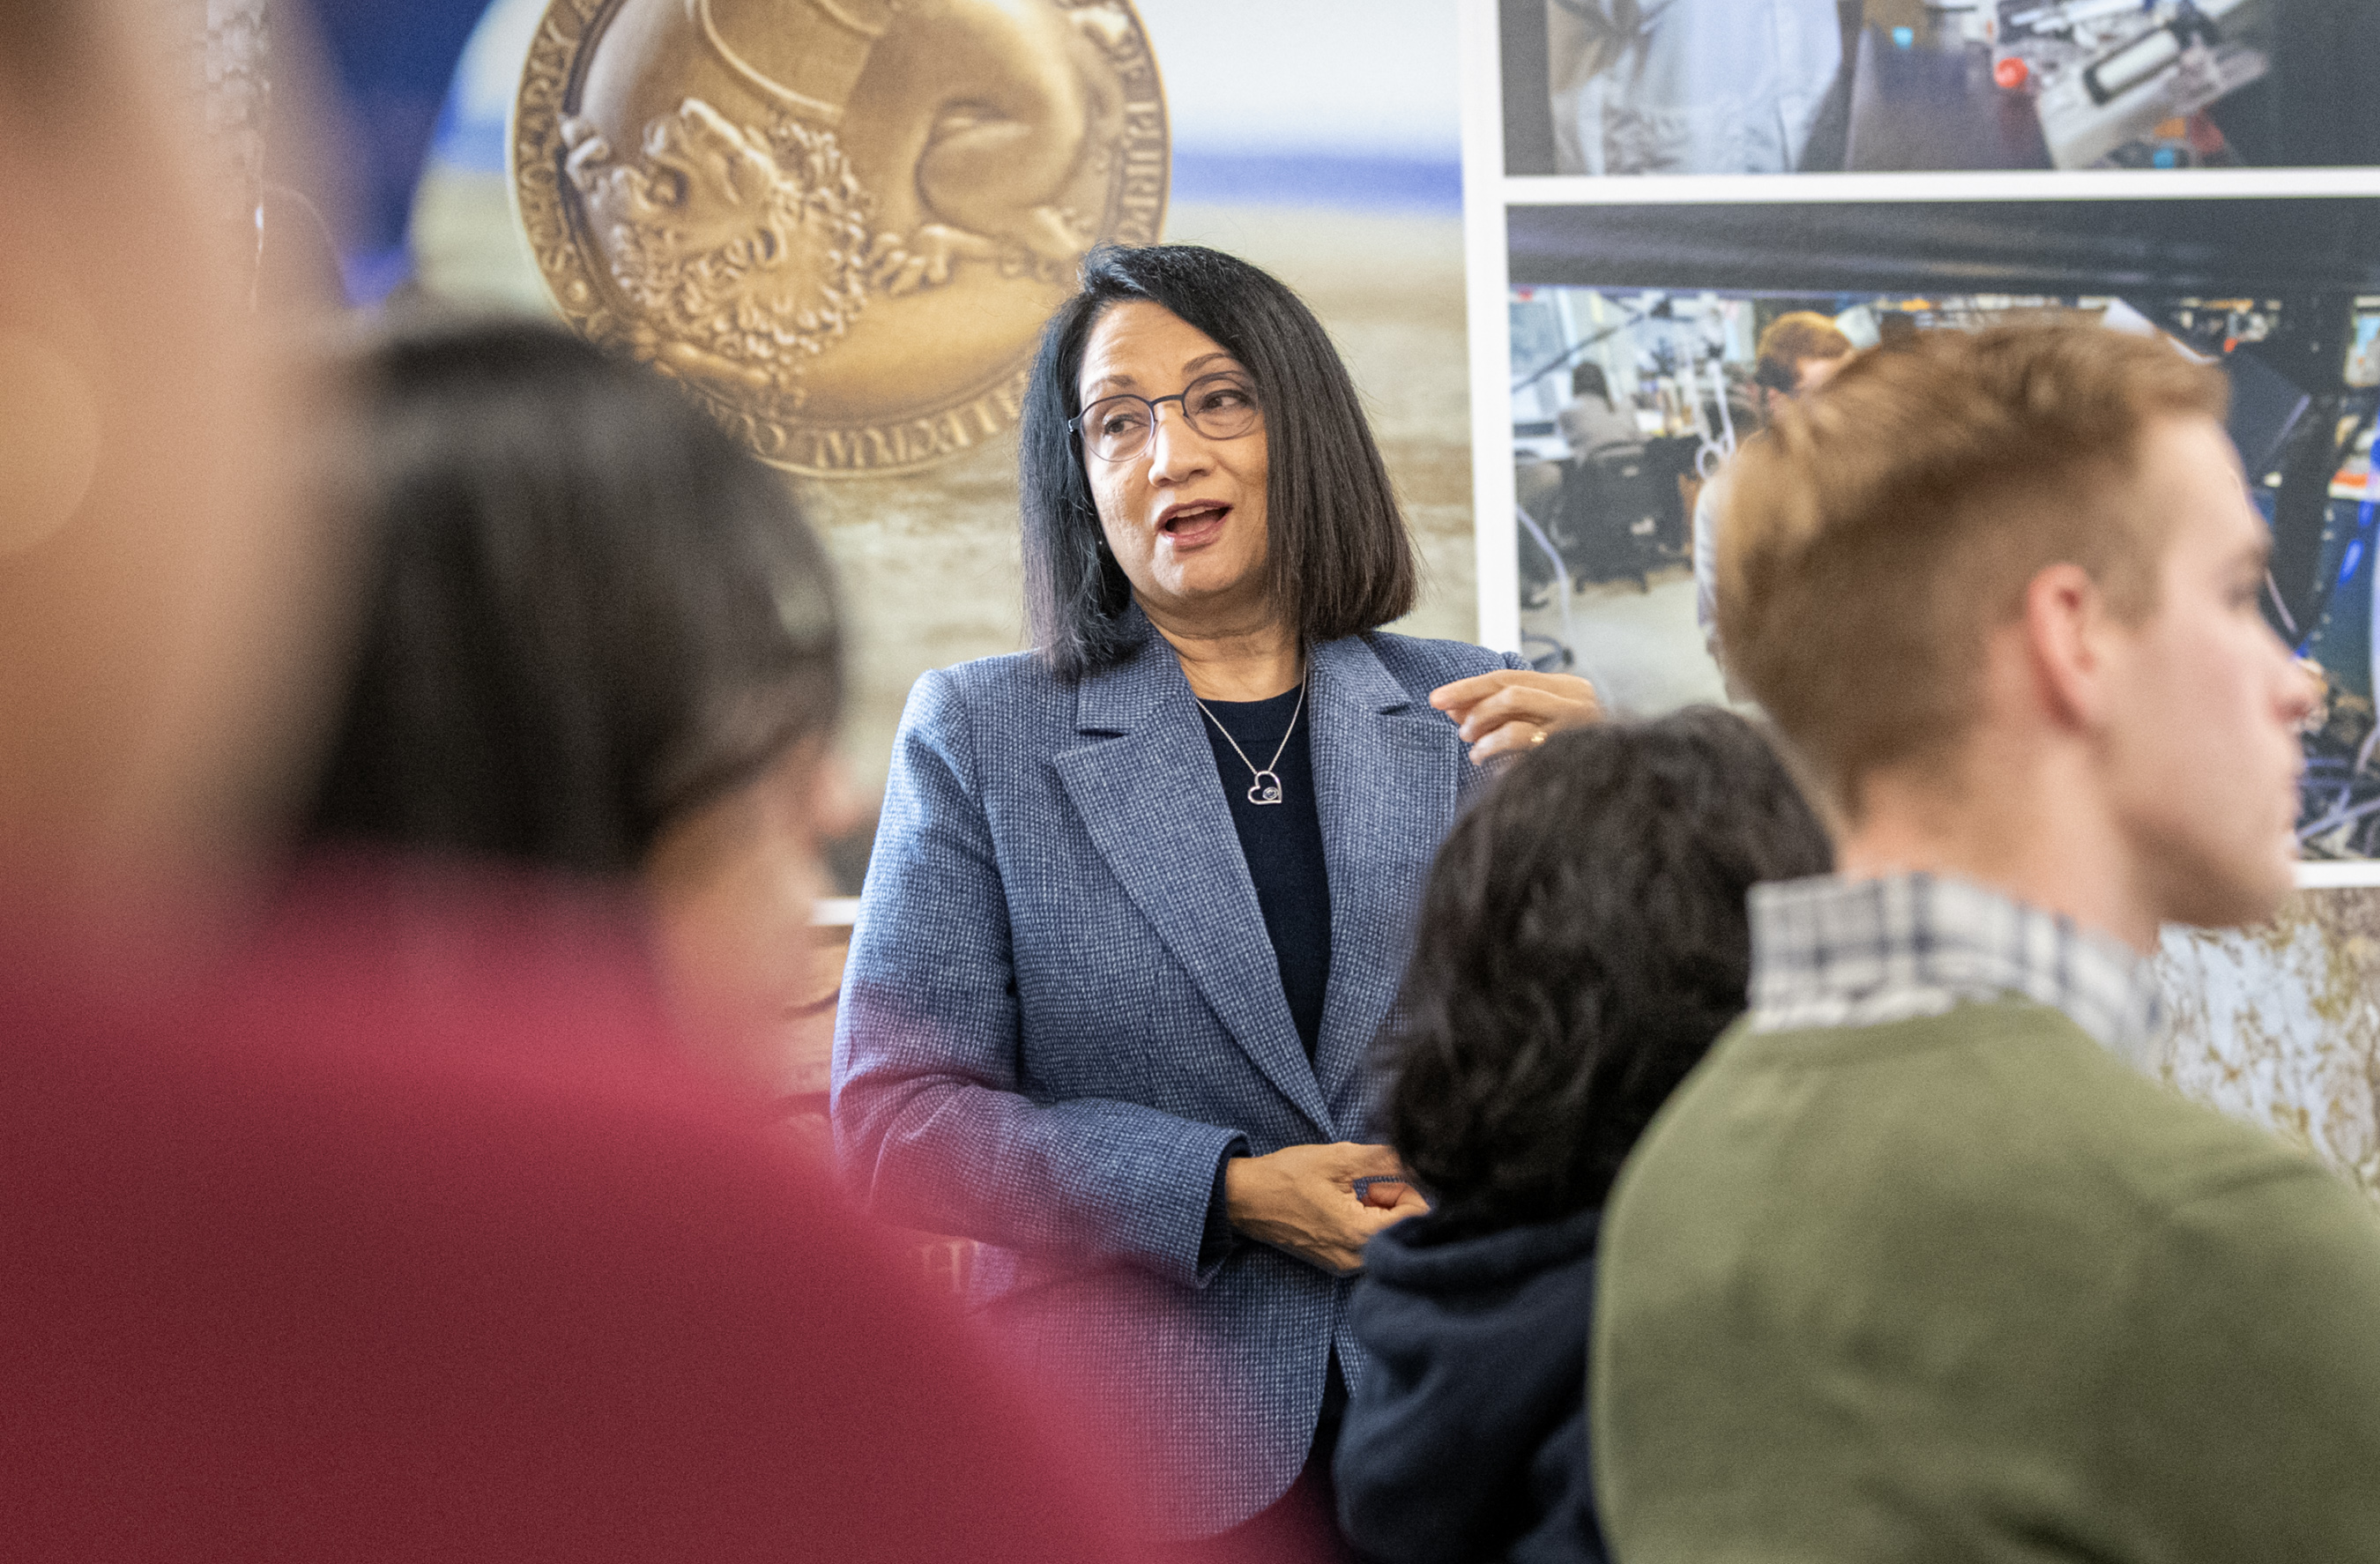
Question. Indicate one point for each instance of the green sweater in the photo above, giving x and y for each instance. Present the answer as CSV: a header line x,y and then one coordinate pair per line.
x,y
1970,1288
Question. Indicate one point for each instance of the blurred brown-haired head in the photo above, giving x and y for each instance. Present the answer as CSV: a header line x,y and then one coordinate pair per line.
x,y
1793,340
1878,533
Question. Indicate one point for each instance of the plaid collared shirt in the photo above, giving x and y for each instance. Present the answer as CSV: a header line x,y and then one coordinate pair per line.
x,y
1832,951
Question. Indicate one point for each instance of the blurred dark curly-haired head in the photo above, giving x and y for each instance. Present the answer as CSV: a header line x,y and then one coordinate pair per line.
x,y
1582,943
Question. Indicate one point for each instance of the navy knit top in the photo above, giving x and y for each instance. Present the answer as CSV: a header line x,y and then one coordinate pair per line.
x,y
1282,844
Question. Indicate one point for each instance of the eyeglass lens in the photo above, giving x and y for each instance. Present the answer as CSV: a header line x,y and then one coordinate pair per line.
x,y
1218,406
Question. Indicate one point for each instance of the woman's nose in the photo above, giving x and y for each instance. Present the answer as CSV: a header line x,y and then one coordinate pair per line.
x,y
1176,450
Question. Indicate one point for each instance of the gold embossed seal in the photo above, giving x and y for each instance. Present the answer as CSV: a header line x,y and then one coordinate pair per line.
x,y
842,223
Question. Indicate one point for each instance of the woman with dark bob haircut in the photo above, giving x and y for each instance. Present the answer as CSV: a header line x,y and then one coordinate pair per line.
x,y
597,640
1139,897
1582,941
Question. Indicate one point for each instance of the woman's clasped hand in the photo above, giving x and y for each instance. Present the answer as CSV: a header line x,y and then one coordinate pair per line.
x,y
1305,1200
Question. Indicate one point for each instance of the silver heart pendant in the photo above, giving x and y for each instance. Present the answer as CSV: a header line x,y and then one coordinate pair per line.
x,y
1266,789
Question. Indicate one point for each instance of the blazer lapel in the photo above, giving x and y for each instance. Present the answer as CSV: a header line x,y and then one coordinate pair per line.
x,y
1144,783
1387,768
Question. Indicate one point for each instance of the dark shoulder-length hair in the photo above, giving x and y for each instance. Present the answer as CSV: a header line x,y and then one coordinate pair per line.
x,y
584,611
1583,940
1338,553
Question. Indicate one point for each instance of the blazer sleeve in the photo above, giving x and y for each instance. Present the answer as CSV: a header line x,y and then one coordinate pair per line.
x,y
929,1125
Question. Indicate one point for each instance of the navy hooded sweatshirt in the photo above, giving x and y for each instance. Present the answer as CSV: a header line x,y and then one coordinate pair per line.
x,y
1466,1436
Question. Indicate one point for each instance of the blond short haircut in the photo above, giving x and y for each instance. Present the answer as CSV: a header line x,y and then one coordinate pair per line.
x,y
1886,525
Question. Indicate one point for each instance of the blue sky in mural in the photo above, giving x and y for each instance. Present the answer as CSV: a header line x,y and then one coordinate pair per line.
x,y
1318,103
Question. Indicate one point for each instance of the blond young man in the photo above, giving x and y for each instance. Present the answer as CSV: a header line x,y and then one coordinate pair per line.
x,y
1920,1264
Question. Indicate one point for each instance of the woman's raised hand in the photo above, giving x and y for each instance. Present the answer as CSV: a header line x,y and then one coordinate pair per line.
x,y
1303,1199
1511,710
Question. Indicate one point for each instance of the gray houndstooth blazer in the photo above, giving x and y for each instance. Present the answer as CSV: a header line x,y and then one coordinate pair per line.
x,y
1062,1009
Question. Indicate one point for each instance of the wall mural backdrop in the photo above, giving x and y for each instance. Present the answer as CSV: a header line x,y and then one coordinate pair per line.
x,y
839,223
1322,141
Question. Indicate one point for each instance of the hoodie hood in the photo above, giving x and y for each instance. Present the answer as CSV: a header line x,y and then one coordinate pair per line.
x,y
1465,1437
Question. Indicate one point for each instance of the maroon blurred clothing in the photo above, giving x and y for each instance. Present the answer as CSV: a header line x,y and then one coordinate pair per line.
x,y
405,1241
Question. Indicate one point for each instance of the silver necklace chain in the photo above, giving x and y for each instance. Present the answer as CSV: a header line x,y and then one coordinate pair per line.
x,y
1264,787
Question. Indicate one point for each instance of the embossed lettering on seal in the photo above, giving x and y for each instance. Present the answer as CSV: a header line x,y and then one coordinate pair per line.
x,y
839,223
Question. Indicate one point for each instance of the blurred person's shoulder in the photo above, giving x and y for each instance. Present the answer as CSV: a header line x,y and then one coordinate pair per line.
x,y
352,1228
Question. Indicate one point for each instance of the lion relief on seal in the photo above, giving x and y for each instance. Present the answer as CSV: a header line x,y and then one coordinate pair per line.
x,y
750,248
745,249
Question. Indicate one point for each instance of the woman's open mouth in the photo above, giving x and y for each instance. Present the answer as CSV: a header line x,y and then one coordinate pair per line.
x,y
1192,524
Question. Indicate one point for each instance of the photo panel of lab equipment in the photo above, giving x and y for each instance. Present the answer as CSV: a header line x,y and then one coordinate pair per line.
x,y
1634,335
1638,86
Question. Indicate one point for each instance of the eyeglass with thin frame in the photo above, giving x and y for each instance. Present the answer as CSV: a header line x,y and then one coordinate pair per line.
x,y
1118,428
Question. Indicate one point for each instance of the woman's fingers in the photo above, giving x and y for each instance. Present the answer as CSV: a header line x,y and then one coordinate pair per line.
x,y
1509,732
1359,1161
1571,705
1394,1195
1580,705
1373,1219
1464,692
1506,711
1510,739
1344,1254
1384,1200
1452,698
1455,699
1303,1199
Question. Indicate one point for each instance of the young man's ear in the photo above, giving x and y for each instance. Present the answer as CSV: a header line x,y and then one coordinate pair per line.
x,y
2064,627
